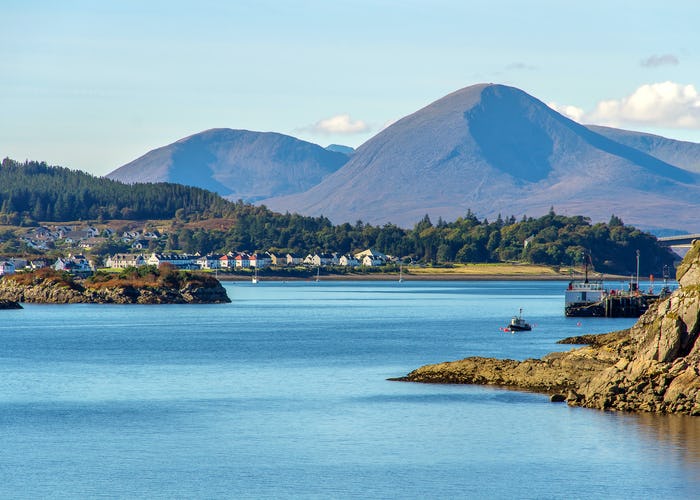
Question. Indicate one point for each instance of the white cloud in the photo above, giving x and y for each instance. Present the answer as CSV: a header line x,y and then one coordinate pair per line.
x,y
339,124
665,104
573,112
662,60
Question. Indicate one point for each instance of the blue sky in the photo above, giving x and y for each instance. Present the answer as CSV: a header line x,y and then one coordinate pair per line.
x,y
92,85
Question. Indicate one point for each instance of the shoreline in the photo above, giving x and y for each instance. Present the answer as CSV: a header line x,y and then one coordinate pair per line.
x,y
412,277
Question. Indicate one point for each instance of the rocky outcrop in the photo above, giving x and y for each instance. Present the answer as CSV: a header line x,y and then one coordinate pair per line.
x,y
654,366
46,290
9,304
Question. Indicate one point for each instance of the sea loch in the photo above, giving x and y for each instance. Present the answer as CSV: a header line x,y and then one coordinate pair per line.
x,y
283,393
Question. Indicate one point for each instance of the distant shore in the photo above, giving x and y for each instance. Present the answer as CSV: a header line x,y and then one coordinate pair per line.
x,y
463,272
455,272
394,277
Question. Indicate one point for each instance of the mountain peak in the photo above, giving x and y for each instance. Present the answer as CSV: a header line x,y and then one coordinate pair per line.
x,y
238,164
493,149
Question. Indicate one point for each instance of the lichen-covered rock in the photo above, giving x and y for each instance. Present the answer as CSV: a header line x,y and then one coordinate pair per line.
x,y
688,272
654,366
48,290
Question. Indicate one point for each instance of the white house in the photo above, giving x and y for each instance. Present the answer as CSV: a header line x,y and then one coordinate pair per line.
x,y
348,261
124,260
211,261
74,264
227,261
324,259
294,259
6,267
369,261
181,261
371,257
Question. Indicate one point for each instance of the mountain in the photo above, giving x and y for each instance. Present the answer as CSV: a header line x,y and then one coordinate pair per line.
x,y
237,164
495,149
679,153
339,148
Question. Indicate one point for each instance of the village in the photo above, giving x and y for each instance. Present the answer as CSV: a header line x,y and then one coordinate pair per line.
x,y
79,240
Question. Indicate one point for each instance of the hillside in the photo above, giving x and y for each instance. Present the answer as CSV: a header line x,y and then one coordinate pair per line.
x,y
679,153
495,149
237,164
33,191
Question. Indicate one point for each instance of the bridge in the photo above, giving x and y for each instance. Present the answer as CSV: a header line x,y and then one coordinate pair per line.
x,y
679,244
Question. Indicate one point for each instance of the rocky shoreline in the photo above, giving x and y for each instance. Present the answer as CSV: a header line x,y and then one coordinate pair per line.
x,y
48,288
652,367
9,304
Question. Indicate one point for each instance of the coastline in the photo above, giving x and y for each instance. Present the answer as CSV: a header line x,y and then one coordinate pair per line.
x,y
654,366
456,272
413,277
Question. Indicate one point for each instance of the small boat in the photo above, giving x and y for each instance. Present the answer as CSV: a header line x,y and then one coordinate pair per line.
x,y
518,324
254,280
401,273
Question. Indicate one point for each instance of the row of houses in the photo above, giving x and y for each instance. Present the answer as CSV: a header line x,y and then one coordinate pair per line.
x,y
43,237
79,264
75,264
245,260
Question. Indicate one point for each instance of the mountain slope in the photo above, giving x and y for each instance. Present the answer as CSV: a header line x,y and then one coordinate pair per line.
x,y
237,164
495,149
682,154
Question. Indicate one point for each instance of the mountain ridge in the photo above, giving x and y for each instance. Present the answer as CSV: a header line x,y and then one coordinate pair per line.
x,y
488,148
494,149
236,163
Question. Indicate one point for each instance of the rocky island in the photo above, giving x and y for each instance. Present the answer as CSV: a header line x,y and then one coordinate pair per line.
x,y
652,367
145,285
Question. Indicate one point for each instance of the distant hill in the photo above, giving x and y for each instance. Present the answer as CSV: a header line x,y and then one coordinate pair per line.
x,y
495,149
33,191
237,164
679,153
339,148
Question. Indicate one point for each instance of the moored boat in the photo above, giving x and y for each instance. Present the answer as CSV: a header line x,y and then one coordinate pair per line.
x,y
518,324
590,298
585,298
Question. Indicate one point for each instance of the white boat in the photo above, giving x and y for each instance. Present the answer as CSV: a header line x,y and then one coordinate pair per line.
x,y
401,273
254,280
518,324
584,297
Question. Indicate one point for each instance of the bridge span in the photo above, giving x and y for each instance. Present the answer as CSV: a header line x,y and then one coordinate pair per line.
x,y
682,239
680,244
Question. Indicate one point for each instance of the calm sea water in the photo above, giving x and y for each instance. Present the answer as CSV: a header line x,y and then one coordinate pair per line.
x,y
283,393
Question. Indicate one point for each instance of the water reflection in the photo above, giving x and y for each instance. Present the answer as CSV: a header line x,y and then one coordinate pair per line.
x,y
678,433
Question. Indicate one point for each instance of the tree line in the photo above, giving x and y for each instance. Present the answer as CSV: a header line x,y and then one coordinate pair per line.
x,y
550,240
31,192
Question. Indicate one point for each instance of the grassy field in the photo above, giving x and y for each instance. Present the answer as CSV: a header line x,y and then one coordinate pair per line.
x,y
500,270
